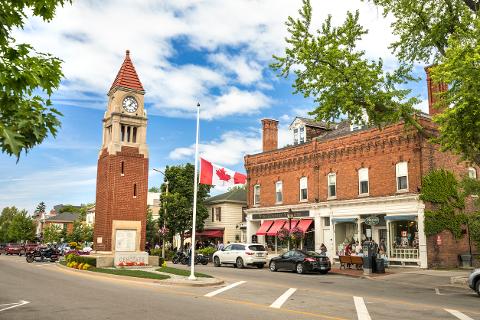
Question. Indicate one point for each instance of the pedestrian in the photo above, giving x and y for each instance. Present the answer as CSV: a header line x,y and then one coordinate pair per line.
x,y
323,249
220,245
382,246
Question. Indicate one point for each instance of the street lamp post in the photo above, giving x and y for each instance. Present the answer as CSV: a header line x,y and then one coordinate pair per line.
x,y
289,217
164,211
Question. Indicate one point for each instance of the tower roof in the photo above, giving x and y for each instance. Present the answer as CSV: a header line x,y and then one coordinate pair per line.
x,y
127,76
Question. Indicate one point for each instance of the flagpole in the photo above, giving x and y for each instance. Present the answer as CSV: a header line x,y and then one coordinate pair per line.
x,y
195,190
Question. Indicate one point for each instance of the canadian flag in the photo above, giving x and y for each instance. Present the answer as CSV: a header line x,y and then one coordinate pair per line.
x,y
216,175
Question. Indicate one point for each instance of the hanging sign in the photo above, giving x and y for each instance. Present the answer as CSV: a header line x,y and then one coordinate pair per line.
x,y
372,220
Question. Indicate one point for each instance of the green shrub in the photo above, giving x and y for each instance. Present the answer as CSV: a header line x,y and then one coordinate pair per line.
x,y
156,252
207,251
81,259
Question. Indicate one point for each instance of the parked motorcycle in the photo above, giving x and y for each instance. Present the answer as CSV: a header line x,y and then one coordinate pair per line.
x,y
177,258
199,259
40,254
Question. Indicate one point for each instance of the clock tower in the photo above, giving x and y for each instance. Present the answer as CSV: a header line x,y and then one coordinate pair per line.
x,y
122,172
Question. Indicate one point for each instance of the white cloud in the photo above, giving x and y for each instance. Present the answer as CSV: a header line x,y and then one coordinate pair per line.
x,y
234,40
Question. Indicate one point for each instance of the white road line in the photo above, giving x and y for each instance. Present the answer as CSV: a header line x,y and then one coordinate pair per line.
x,y
362,312
437,291
458,314
277,304
18,304
233,285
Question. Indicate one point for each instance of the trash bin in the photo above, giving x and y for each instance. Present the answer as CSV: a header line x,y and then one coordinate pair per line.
x,y
379,265
466,260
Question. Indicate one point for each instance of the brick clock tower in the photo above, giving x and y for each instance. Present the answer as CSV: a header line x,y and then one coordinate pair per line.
x,y
122,173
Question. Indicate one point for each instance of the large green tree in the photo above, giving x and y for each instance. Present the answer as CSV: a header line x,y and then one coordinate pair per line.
x,y
151,229
342,81
52,234
41,207
6,218
22,227
179,202
27,79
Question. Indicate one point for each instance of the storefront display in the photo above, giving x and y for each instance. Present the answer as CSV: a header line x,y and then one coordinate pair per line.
x,y
403,238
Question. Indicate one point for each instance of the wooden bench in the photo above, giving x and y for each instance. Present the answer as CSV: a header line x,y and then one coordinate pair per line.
x,y
347,261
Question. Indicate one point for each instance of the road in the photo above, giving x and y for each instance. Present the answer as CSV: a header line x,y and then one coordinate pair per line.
x,y
45,291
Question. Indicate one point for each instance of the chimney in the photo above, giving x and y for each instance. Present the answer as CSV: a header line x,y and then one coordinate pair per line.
x,y
434,89
270,134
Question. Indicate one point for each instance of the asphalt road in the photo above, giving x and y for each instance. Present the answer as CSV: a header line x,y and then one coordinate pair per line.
x,y
45,291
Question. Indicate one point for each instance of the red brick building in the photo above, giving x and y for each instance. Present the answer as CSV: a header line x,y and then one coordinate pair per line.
x,y
122,173
333,179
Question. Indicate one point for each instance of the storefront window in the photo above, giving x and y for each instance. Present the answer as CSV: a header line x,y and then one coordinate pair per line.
x,y
404,239
345,233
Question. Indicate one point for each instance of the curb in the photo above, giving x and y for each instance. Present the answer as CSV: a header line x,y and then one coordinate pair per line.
x,y
142,280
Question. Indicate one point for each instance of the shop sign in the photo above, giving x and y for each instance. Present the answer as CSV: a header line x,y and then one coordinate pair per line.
x,y
372,220
279,215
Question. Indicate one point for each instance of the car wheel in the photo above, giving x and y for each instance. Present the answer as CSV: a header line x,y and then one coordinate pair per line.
x,y
299,268
216,262
273,266
239,263
478,287
260,266
22,253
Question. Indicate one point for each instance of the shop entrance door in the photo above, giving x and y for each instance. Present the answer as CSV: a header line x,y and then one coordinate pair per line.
x,y
327,240
382,234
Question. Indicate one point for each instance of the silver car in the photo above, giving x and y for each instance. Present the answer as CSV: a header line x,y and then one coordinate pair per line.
x,y
474,280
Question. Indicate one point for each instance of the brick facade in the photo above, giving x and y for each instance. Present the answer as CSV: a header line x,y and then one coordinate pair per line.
x,y
115,199
270,134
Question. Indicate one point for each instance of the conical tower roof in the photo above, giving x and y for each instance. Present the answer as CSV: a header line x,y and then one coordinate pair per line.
x,y
127,76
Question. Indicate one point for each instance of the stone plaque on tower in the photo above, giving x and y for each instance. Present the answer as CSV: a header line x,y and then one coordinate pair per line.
x,y
122,173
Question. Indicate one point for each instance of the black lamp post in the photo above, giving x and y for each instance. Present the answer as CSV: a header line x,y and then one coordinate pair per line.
x,y
289,217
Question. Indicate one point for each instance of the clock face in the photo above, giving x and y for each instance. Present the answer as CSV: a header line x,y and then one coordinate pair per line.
x,y
130,104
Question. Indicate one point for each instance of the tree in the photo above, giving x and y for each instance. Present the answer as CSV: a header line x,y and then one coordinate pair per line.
x,y
5,220
22,227
179,202
154,189
52,233
152,228
27,79
343,82
77,234
40,208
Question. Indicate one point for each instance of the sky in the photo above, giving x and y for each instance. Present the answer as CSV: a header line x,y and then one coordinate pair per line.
x,y
214,52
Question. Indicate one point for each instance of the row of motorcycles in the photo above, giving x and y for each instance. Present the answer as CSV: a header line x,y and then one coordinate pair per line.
x,y
181,257
41,254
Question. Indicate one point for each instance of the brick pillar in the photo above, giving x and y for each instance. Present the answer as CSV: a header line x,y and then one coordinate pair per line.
x,y
270,134
434,89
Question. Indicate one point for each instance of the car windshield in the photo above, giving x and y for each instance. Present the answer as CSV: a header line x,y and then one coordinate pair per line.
x,y
312,253
256,247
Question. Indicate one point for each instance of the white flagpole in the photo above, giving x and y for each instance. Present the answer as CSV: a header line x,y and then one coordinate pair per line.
x,y
195,190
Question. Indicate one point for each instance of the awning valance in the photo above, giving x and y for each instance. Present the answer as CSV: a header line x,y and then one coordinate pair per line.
x,y
401,218
264,227
277,225
339,220
208,234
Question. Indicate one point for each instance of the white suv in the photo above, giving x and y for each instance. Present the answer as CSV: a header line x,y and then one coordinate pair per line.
x,y
241,254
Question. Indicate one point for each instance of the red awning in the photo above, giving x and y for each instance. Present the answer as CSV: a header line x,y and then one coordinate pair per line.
x,y
207,234
294,223
264,227
304,224
277,225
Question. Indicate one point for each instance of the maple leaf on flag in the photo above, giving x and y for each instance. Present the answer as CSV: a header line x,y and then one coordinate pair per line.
x,y
222,175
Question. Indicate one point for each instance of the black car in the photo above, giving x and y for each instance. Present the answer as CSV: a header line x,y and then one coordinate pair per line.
x,y
301,262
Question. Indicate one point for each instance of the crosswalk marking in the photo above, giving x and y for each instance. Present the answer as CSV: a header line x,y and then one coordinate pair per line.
x,y
214,293
14,305
458,314
277,304
362,312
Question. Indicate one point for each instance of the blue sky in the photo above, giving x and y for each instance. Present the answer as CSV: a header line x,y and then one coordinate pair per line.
x,y
215,52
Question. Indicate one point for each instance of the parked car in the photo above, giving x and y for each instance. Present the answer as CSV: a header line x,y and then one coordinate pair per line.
x,y
30,246
240,255
474,280
14,248
301,262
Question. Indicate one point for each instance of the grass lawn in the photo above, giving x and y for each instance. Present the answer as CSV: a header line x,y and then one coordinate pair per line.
x,y
181,272
132,273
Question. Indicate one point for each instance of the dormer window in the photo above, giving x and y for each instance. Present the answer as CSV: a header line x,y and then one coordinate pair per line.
x,y
295,136
299,135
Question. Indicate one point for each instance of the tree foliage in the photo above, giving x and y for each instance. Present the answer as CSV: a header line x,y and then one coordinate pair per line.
x,y
6,218
27,79
41,207
52,233
154,189
22,227
151,228
179,202
329,68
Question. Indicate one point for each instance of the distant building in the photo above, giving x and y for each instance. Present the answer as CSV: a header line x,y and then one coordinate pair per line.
x,y
63,220
153,203
90,217
226,221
